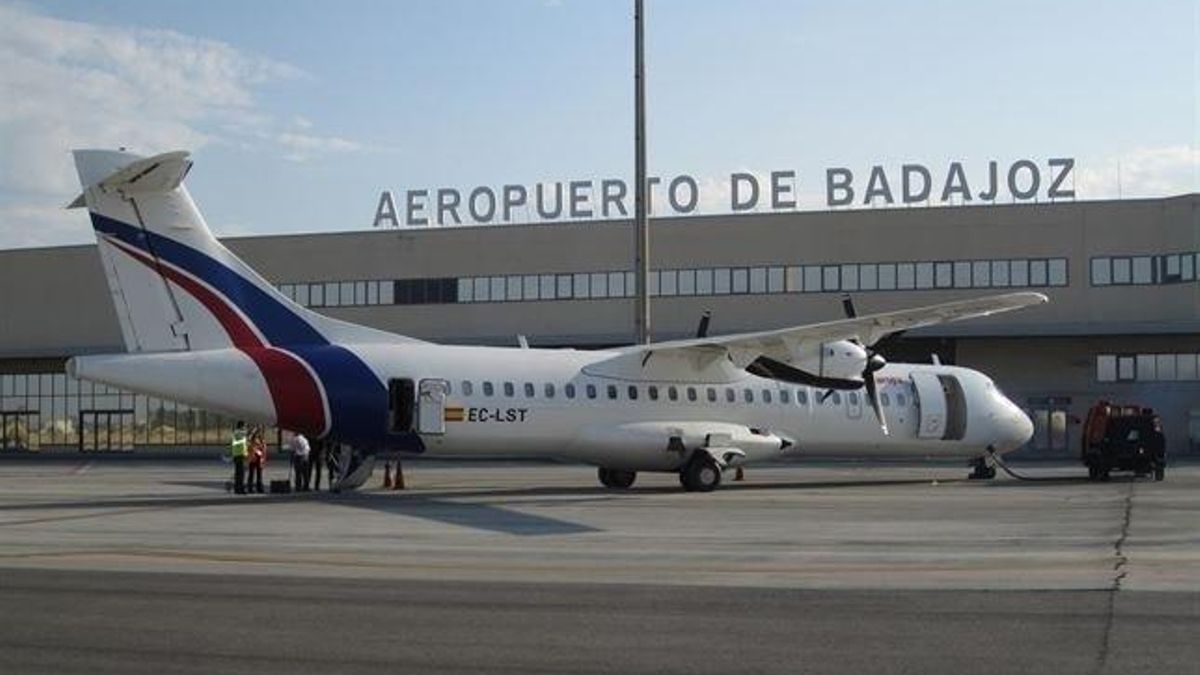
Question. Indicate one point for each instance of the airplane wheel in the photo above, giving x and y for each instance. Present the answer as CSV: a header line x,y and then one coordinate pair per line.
x,y
701,475
616,478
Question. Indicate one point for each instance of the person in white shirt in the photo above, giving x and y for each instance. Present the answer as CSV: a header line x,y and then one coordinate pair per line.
x,y
300,450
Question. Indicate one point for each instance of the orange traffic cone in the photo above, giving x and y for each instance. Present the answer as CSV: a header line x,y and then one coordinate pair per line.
x,y
399,483
387,475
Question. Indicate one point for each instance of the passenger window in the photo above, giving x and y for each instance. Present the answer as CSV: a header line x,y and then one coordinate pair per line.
x,y
691,394
467,388
712,395
509,390
801,397
853,397
612,392
748,395
528,390
633,393
652,392
569,390
837,398
900,401
766,395
549,389
591,391
449,389
784,397
885,400
488,389
730,397
673,393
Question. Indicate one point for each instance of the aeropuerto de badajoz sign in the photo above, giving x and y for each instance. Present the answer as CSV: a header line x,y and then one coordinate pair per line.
x,y
1021,180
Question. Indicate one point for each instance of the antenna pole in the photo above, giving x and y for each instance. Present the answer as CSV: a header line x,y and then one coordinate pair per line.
x,y
641,320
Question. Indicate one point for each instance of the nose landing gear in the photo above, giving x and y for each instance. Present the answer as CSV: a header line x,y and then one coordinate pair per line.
x,y
981,470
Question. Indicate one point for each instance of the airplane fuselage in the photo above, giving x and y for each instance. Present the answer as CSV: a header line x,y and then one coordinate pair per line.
x,y
444,400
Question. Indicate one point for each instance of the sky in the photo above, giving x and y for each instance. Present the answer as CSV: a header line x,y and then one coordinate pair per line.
x,y
300,112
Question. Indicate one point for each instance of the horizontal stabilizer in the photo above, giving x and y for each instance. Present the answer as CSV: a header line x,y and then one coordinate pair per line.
x,y
160,173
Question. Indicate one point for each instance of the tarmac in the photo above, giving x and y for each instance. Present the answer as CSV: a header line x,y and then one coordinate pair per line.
x,y
149,566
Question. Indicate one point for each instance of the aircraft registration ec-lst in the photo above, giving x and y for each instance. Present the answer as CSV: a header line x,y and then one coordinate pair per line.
x,y
202,328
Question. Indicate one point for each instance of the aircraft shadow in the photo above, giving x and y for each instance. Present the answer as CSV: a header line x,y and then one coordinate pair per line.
x,y
463,514
604,494
433,507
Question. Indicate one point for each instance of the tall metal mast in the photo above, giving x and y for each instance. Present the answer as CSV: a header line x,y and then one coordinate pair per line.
x,y
641,320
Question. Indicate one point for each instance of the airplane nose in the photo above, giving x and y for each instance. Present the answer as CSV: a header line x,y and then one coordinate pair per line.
x,y
1014,428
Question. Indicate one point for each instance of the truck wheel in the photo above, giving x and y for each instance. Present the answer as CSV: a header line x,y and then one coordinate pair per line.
x,y
1104,472
1093,472
1160,472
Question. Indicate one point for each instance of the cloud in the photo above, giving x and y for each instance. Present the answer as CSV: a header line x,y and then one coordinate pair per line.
x,y
1141,172
30,224
299,147
69,84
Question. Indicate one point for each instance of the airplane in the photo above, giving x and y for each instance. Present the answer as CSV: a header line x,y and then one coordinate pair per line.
x,y
203,328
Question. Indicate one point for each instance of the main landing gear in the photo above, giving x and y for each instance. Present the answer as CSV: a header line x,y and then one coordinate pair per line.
x,y
616,478
981,470
701,474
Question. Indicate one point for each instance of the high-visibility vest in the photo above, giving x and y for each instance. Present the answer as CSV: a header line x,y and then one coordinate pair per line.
x,y
237,447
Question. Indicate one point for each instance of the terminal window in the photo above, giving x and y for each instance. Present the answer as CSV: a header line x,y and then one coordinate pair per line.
x,y
1144,270
756,280
1172,367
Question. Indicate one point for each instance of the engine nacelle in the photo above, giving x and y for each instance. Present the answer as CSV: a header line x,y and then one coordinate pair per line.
x,y
839,359
646,446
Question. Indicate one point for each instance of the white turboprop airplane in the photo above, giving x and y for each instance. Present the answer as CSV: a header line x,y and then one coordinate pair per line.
x,y
201,327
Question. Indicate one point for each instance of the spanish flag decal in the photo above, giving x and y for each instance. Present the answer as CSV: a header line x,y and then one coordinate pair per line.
x,y
454,415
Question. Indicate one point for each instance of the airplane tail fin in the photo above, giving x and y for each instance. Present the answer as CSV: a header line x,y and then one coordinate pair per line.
x,y
174,285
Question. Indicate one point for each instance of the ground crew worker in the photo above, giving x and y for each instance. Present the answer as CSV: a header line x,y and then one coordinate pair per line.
x,y
238,449
300,451
257,461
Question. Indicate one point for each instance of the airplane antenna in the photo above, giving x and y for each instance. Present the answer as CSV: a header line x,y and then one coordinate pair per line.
x,y
641,320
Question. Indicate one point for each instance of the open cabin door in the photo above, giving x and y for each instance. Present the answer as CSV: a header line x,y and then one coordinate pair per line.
x,y
401,404
931,403
431,407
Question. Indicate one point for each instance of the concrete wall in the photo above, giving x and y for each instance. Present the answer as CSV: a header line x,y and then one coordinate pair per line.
x,y
56,299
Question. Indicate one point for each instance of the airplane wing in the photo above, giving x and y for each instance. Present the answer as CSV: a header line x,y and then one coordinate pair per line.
x,y
781,344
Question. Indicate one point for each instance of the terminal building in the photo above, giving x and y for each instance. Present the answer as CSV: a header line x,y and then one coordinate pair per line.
x,y
1123,322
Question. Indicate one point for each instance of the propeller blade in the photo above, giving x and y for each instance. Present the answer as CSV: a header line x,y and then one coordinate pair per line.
x,y
873,396
765,366
848,306
702,329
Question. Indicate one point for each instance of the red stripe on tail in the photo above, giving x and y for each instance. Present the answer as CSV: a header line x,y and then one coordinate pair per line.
x,y
299,404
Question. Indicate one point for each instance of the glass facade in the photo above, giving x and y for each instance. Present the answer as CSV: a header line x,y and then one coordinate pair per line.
x,y
40,410
1144,270
1147,367
703,281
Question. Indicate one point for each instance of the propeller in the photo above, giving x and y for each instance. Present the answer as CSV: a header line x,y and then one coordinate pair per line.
x,y
874,363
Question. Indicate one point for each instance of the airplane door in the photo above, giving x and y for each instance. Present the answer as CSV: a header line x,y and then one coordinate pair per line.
x,y
431,407
931,404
